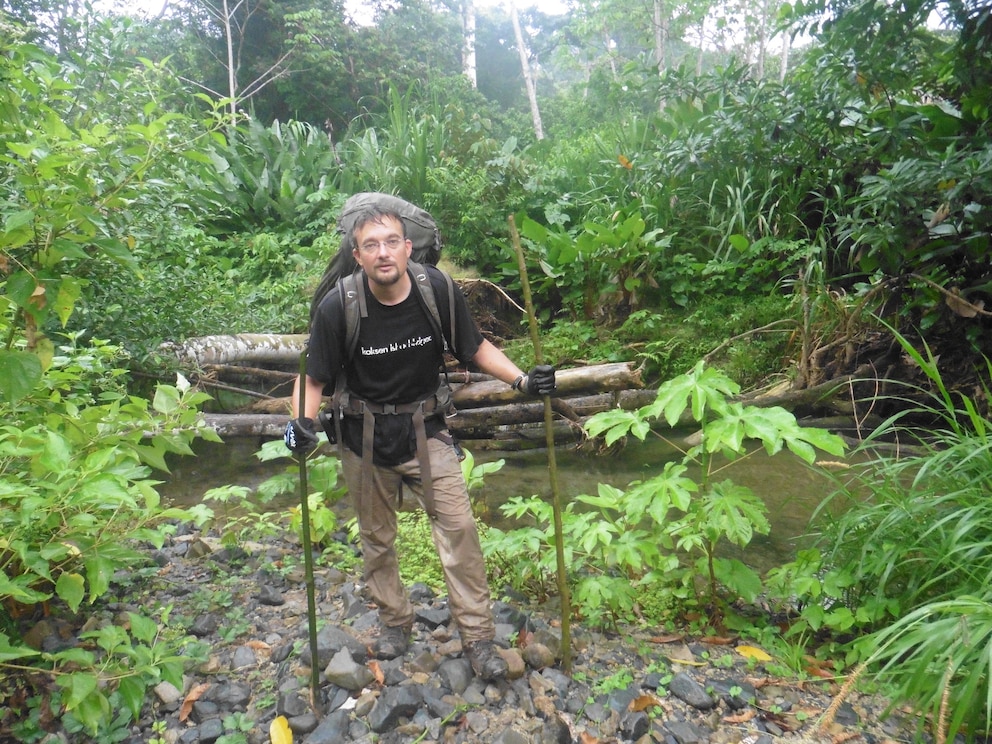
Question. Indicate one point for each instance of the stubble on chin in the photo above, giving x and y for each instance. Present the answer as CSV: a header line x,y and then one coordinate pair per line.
x,y
387,279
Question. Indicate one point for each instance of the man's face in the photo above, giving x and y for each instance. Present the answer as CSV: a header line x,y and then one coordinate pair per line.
x,y
382,251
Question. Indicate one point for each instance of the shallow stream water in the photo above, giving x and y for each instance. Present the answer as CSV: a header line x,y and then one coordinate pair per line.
x,y
790,489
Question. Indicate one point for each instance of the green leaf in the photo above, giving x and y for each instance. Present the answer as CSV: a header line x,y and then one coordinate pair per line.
x,y
740,242
19,590
167,399
16,220
143,628
132,692
825,440
153,455
99,571
722,433
57,454
20,287
71,588
9,653
739,578
20,372
616,424
79,686
69,291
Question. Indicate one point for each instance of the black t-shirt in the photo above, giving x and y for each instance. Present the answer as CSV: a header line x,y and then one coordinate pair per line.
x,y
396,359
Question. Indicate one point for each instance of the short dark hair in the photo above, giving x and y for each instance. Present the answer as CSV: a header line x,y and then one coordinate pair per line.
x,y
377,215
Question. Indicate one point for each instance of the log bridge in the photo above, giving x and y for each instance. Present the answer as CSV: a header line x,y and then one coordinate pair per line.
x,y
490,414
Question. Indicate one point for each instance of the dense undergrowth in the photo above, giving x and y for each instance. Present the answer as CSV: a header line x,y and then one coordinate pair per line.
x,y
764,228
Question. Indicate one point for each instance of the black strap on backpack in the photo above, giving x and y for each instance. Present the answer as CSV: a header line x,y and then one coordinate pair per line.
x,y
355,307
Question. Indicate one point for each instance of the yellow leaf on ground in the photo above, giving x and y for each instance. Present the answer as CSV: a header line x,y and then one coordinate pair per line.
x,y
644,702
187,707
279,732
376,669
753,652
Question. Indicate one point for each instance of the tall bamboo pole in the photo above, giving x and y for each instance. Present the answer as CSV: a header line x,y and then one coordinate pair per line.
x,y
307,555
563,591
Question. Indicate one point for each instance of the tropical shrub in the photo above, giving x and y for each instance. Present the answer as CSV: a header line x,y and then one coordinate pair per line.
x,y
85,177
902,555
77,501
660,536
285,175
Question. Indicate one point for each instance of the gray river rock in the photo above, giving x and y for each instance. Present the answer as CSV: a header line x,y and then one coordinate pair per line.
x,y
637,686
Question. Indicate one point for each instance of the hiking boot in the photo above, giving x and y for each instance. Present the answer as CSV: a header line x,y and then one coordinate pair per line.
x,y
393,641
486,660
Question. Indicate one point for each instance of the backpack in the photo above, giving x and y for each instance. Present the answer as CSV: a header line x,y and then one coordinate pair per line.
x,y
420,226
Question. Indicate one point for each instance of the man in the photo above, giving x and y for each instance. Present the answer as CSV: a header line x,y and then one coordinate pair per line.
x,y
394,373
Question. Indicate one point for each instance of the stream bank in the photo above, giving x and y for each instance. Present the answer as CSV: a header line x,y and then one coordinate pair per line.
x,y
246,610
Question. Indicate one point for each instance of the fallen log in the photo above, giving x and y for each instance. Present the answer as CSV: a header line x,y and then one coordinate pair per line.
x,y
474,423
253,348
512,417
484,422
595,378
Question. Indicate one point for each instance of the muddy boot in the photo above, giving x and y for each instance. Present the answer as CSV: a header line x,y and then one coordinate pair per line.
x,y
393,641
486,660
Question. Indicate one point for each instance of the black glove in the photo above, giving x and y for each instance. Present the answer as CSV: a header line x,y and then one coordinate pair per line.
x,y
300,435
539,381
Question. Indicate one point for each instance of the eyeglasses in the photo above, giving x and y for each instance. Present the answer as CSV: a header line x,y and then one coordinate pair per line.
x,y
392,244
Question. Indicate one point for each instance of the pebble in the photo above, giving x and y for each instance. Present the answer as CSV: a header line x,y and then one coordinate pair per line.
x,y
625,688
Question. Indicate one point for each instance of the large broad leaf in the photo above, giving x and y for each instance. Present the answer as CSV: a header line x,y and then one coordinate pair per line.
x,y
132,692
143,628
20,371
78,685
99,571
8,652
737,577
19,589
71,587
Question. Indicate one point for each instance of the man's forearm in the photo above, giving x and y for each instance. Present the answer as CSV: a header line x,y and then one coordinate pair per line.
x,y
314,397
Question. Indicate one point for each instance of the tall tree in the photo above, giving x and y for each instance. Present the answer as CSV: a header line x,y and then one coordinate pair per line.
x,y
468,42
661,30
529,81
238,20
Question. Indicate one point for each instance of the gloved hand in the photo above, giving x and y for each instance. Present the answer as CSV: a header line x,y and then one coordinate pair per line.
x,y
539,381
301,435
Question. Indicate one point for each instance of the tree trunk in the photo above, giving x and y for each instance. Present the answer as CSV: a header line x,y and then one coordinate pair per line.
x,y
528,76
593,379
468,42
253,348
784,65
762,39
232,75
660,35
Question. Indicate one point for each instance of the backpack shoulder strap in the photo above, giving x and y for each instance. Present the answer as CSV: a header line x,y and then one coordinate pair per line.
x,y
355,307
422,281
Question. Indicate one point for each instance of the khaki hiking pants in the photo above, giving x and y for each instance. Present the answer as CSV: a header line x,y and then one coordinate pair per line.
x,y
452,528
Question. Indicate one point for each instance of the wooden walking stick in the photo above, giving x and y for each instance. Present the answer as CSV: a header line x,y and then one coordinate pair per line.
x,y
563,591
307,556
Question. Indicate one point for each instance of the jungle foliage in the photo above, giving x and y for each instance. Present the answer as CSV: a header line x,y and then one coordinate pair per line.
x,y
849,198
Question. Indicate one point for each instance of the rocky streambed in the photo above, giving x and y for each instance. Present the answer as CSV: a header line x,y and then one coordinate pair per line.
x,y
641,686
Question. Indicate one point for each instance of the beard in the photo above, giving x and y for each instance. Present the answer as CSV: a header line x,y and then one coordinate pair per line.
x,y
386,275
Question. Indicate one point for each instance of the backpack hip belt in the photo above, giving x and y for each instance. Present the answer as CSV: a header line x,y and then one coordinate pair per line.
x,y
357,407
438,404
